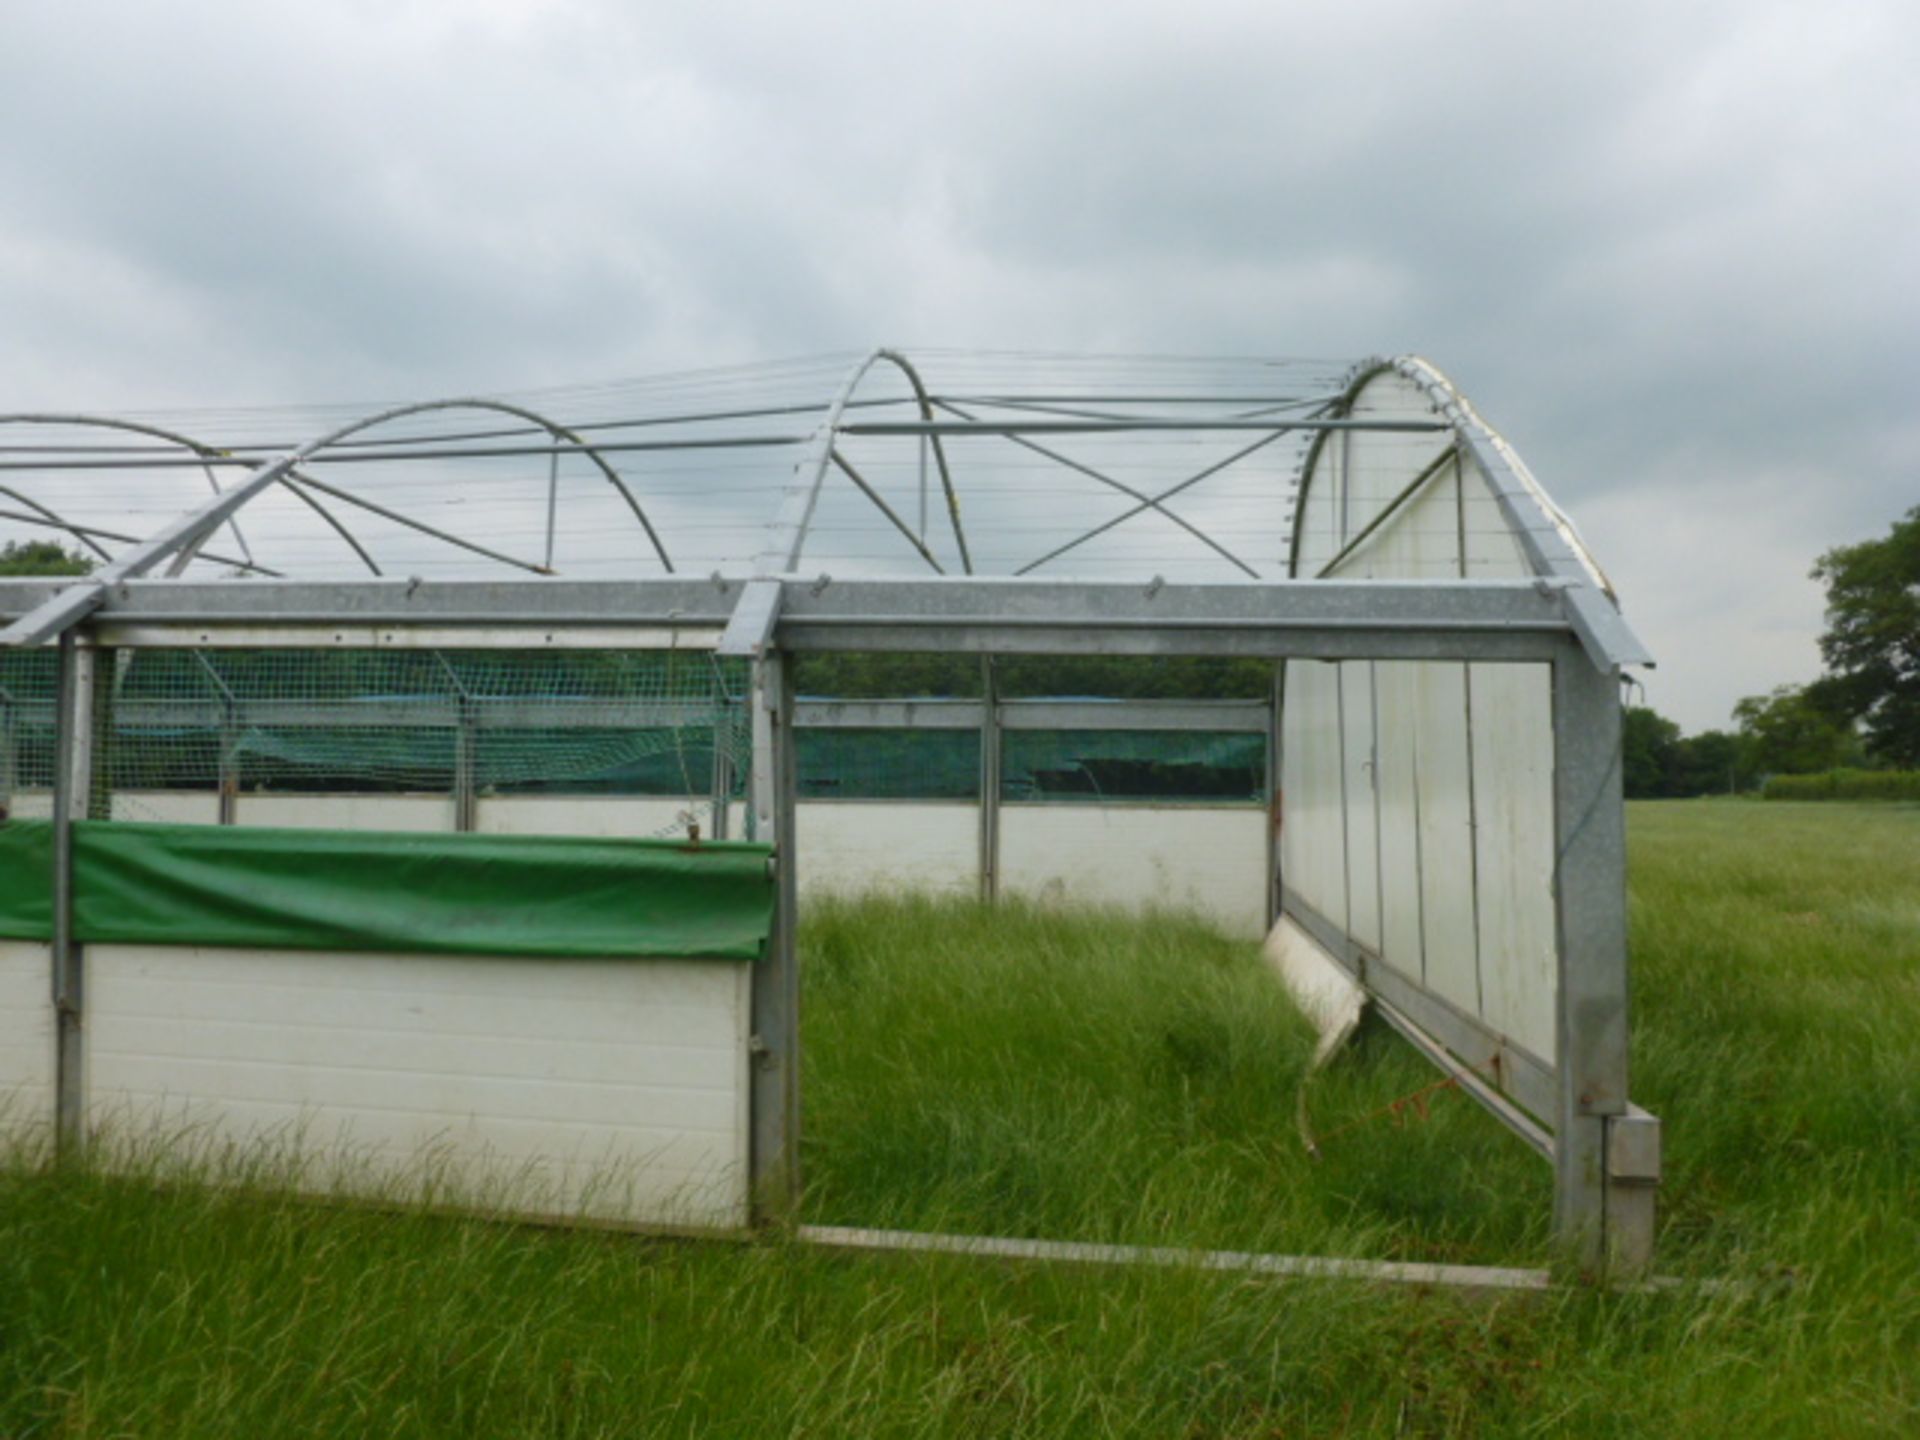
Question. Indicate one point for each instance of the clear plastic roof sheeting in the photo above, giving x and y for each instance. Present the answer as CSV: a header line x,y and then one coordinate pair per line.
x,y
892,463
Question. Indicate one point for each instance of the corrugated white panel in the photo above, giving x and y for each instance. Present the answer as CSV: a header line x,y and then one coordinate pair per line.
x,y
1513,850
171,807
1379,466
1313,823
847,847
347,812
611,1089
1359,778
1493,552
1449,939
1321,509
1396,692
1207,858
26,1043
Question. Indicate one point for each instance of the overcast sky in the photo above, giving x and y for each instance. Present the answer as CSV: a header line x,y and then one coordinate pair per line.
x,y
1672,251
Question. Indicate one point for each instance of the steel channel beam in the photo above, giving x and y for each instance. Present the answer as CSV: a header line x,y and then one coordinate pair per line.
x,y
750,624
1598,1225
1459,620
1252,639
72,797
1485,1094
720,817
950,428
9,750
1219,716
991,768
711,602
1503,1063
1275,712
774,1045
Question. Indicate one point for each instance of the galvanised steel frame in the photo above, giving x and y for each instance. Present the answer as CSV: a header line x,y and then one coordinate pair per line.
x,y
1604,1151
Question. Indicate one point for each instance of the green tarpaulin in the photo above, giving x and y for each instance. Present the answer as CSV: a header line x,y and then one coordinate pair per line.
x,y
284,889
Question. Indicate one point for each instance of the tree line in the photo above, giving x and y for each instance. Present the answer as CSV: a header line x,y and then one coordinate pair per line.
x,y
1863,713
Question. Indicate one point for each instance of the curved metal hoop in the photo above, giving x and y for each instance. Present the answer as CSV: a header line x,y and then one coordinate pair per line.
x,y
1552,546
136,427
820,454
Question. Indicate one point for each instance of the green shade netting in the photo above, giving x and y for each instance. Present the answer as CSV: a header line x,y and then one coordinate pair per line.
x,y
283,889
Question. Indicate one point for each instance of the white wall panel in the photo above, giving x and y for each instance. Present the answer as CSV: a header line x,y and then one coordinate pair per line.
x,y
1359,766
1313,826
1396,686
613,1089
31,805
1207,858
346,812
1513,850
1319,519
848,847
600,816
26,1043
1493,552
170,807
1449,940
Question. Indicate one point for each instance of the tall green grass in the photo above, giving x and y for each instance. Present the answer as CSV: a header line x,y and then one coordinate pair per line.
x,y
1031,1072
1085,1077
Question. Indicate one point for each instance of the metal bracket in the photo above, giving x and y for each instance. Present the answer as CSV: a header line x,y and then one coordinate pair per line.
x,y
1633,1147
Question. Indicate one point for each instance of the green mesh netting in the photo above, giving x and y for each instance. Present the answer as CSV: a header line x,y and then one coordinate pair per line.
x,y
889,764
665,724
1112,765
29,688
368,721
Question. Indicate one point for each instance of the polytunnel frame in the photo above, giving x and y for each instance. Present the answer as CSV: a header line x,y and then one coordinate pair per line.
x,y
1604,1151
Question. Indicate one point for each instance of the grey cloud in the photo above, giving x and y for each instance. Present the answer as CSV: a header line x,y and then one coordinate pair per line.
x,y
1668,249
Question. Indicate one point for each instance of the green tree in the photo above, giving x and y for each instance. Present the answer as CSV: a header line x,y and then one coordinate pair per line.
x,y
1650,746
1872,642
1709,764
1793,731
40,557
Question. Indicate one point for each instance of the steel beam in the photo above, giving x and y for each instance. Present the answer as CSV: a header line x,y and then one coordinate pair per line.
x,y
1599,1224
1499,1060
951,428
72,799
774,1046
1385,620
991,761
1275,714
750,627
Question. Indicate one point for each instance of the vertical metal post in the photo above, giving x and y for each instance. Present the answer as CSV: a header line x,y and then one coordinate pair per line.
x,y
229,763
1276,698
9,750
72,796
719,821
553,502
466,761
1603,1181
774,1045
989,782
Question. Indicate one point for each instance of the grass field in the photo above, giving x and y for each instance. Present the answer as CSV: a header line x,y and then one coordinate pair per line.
x,y
1028,1073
